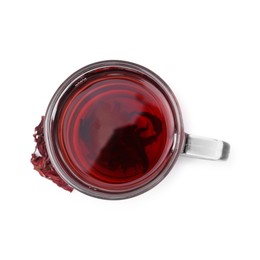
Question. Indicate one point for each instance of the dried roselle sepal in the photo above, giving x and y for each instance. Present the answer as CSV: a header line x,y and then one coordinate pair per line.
x,y
41,160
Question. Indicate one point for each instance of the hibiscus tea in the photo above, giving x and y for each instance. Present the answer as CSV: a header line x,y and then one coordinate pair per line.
x,y
116,130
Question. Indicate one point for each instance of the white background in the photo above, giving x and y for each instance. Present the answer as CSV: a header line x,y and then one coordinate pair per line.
x,y
209,53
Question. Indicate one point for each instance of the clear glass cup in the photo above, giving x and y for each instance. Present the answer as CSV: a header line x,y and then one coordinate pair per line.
x,y
114,130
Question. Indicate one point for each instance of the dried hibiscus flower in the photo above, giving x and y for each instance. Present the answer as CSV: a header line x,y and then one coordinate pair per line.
x,y
41,160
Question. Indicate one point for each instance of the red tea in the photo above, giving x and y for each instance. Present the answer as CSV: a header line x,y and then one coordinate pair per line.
x,y
114,130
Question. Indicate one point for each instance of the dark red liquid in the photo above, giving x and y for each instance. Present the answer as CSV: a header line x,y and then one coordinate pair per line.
x,y
115,130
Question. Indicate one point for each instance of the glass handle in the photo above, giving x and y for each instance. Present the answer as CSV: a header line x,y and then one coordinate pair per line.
x,y
205,148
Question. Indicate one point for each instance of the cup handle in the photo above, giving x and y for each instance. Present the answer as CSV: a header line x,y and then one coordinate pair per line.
x,y
205,148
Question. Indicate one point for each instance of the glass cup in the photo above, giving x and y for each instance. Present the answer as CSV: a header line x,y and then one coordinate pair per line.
x,y
114,129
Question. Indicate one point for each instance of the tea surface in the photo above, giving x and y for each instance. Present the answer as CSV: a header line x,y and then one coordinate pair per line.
x,y
115,130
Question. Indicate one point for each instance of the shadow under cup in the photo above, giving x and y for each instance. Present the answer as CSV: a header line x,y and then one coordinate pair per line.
x,y
113,130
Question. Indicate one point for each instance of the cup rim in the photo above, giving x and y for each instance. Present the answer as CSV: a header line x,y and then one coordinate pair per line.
x,y
52,109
